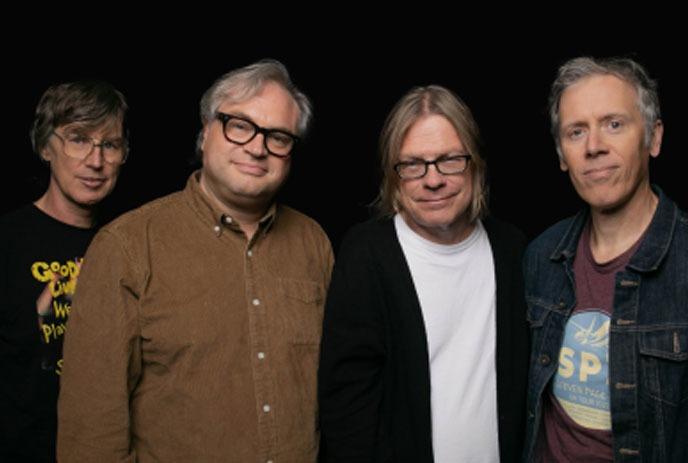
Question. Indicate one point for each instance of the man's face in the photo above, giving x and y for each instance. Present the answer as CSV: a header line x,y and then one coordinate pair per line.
x,y
435,206
246,177
602,138
82,182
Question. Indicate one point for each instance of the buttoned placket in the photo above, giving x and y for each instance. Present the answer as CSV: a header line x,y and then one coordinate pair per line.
x,y
258,311
623,364
258,333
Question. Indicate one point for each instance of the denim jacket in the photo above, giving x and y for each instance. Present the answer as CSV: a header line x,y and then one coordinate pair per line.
x,y
648,340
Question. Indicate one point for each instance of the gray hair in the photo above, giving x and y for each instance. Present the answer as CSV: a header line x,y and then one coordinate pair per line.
x,y
625,69
243,83
414,105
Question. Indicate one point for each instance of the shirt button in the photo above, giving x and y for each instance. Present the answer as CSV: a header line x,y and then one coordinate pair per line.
x,y
266,408
261,355
249,253
544,359
216,228
255,302
227,219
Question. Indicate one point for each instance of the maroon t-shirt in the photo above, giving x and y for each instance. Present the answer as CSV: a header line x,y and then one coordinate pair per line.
x,y
576,420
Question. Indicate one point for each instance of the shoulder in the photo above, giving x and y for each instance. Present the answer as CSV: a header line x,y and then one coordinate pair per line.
x,y
301,228
127,234
683,221
500,231
544,244
164,209
29,224
297,220
16,227
371,241
369,232
18,216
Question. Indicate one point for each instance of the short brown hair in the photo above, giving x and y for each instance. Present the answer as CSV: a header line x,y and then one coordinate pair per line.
x,y
88,103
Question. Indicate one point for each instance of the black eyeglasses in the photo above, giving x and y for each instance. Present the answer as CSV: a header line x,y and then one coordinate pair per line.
x,y
241,131
446,165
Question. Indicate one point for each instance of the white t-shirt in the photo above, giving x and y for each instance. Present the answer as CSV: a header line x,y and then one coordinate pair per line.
x,y
457,291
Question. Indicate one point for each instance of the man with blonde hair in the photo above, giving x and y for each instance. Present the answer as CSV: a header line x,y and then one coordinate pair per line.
x,y
424,349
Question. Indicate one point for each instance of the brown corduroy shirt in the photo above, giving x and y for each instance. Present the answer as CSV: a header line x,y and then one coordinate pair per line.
x,y
188,343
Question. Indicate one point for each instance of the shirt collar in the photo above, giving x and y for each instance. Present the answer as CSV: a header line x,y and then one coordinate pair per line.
x,y
213,216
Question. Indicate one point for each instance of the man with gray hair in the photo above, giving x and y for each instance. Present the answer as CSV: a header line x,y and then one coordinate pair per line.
x,y
607,289
195,331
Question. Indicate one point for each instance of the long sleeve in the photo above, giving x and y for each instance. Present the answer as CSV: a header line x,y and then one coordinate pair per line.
x,y
353,355
102,359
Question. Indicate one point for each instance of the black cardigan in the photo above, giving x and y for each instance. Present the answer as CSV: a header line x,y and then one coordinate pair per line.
x,y
374,376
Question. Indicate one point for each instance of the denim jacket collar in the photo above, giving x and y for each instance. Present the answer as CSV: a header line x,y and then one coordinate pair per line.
x,y
566,248
656,244
652,250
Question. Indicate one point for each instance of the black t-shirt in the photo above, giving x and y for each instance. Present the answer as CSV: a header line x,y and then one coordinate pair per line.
x,y
40,259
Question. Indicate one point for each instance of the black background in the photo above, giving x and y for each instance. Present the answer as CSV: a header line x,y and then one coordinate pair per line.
x,y
353,84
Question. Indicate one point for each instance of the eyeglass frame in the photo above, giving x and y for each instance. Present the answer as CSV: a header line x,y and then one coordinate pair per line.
x,y
224,118
94,145
436,162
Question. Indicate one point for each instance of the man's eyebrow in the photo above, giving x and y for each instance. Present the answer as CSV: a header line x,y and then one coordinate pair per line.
x,y
249,118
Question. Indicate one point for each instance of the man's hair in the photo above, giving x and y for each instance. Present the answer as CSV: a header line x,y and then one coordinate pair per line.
x,y
420,102
243,83
625,69
90,104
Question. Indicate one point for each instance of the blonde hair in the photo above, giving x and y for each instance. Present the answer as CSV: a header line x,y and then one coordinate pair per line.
x,y
414,105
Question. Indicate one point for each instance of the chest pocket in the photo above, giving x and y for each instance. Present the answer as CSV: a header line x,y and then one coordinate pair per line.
x,y
546,328
539,309
664,364
302,301
536,314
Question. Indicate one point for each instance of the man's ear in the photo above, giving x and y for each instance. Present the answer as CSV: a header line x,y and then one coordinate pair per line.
x,y
45,154
657,134
204,136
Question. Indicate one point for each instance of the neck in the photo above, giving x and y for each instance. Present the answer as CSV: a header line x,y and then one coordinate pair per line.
x,y
247,215
65,211
248,221
614,232
451,234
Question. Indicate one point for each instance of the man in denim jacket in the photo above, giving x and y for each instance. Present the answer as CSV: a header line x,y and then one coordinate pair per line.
x,y
607,290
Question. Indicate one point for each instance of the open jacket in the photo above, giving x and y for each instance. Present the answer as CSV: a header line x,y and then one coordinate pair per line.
x,y
374,377
648,338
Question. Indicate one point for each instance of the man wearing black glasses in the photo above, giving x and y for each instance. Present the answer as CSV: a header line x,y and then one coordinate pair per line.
x,y
196,327
79,132
424,348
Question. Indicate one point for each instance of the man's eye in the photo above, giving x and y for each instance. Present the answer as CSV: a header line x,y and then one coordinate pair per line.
x,y
79,139
575,133
240,125
111,145
280,139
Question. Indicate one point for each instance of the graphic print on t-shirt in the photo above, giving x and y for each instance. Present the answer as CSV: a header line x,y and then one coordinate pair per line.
x,y
53,306
581,384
